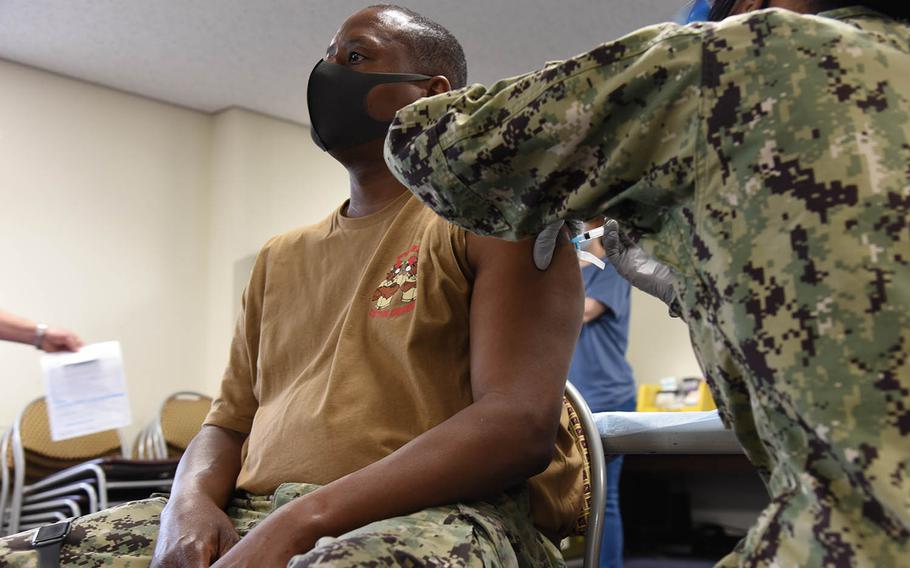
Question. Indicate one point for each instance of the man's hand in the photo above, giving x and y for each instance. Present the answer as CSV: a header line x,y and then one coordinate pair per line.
x,y
546,240
274,541
193,533
642,271
57,339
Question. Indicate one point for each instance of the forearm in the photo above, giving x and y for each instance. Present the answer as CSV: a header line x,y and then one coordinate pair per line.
x,y
210,466
593,310
15,328
493,444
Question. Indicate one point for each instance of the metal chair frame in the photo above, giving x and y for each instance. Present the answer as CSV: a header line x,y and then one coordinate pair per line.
x,y
598,464
85,485
89,490
156,439
23,494
35,521
69,503
148,442
4,474
143,445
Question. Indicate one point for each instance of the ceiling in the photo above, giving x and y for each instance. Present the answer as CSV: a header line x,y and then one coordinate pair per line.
x,y
213,54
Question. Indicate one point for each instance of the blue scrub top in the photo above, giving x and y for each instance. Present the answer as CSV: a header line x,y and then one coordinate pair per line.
x,y
599,367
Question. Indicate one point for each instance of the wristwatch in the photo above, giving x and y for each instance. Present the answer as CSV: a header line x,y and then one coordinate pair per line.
x,y
48,540
40,332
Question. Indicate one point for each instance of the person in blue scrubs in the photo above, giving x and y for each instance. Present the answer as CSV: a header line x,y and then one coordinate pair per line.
x,y
600,371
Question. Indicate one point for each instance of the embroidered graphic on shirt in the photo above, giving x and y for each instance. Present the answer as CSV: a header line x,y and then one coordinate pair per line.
x,y
397,292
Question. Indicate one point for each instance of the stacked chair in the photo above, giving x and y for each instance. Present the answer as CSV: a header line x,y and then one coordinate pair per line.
x,y
45,481
179,420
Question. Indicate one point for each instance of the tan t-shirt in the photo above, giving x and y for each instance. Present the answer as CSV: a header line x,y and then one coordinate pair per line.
x,y
353,340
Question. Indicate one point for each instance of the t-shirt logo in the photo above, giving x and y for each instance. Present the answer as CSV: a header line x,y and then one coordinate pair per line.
x,y
397,293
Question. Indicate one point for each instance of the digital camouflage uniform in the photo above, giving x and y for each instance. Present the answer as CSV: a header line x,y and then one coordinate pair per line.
x,y
498,533
767,160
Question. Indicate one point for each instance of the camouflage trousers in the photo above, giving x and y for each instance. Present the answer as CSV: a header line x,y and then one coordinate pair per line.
x,y
495,533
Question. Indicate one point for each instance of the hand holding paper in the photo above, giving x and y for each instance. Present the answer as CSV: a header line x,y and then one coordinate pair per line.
x,y
86,391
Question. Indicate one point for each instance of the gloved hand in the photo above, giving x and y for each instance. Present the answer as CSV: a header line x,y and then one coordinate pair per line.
x,y
545,243
642,271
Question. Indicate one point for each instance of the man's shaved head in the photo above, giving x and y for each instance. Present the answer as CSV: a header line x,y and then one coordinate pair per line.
x,y
432,49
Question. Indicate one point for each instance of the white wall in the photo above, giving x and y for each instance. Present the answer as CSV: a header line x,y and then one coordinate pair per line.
x,y
267,177
122,218
659,345
102,209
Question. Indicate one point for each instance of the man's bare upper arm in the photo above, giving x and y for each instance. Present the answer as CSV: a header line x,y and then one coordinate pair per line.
x,y
524,322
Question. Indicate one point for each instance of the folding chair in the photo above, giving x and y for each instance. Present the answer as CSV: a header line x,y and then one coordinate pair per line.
x,y
179,420
86,471
591,523
6,464
143,447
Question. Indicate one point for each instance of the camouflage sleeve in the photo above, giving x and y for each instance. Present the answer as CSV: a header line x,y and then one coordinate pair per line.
x,y
611,129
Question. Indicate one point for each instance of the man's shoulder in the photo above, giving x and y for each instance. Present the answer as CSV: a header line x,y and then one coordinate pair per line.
x,y
436,233
416,212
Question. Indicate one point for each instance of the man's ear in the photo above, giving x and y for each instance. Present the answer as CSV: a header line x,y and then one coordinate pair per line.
x,y
744,6
438,84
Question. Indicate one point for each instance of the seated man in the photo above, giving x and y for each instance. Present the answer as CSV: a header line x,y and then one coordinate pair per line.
x,y
409,373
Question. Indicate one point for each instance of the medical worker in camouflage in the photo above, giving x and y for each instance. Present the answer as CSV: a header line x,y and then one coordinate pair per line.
x,y
765,159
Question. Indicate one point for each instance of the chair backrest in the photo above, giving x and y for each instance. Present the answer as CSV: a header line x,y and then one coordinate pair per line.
x,y
181,418
590,523
6,467
43,456
581,524
8,449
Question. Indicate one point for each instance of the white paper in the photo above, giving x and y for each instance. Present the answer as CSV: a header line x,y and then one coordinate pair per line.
x,y
86,391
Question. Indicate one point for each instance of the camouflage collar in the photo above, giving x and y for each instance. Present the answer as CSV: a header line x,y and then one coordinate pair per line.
x,y
849,12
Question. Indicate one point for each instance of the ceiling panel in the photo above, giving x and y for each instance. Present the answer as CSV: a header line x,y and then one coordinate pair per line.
x,y
214,54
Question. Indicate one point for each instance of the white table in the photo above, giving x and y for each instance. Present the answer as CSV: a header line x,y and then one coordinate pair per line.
x,y
665,433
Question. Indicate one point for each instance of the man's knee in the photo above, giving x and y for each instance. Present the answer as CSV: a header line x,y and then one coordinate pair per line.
x,y
131,521
388,549
127,530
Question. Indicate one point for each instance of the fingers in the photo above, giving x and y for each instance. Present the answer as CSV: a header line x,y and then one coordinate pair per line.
x,y
73,342
611,240
198,556
194,555
575,226
56,340
228,538
627,241
544,245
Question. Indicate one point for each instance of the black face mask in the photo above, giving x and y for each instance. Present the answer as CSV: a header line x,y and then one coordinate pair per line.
x,y
337,99
720,10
